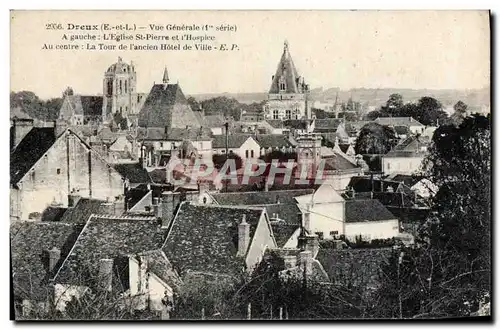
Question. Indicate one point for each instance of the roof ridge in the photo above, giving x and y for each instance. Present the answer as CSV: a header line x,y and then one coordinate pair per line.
x,y
123,217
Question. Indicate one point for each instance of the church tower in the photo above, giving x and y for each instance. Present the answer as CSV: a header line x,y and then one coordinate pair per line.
x,y
288,94
119,90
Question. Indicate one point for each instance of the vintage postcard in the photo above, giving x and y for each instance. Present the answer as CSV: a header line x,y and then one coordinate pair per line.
x,y
250,165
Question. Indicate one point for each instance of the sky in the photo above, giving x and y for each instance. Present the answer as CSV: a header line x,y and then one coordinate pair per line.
x,y
345,49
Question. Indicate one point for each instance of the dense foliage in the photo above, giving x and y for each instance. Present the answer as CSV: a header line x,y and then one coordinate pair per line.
x,y
427,110
35,107
449,273
375,139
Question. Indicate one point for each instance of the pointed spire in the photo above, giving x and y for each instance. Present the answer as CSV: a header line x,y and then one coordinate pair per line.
x,y
285,49
165,76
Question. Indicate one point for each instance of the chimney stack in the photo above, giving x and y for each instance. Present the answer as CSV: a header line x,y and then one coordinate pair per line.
x,y
73,198
105,274
143,157
307,218
306,261
158,209
290,261
243,236
54,256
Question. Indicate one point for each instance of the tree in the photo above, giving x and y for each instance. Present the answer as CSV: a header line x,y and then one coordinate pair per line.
x,y
393,106
372,115
222,105
31,104
375,139
349,116
429,111
448,272
193,103
460,113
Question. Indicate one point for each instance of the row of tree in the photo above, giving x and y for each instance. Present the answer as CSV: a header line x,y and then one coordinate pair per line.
x,y
228,107
427,110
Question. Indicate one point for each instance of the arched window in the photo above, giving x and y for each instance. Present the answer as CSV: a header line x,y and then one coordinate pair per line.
x,y
110,87
246,153
251,153
121,90
126,87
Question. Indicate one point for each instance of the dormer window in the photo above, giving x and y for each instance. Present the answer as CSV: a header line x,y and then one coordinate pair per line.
x,y
282,83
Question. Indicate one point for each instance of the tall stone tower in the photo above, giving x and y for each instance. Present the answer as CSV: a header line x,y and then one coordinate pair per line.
x,y
119,90
288,95
308,153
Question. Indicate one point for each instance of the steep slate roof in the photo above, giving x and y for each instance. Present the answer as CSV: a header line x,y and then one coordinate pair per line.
x,y
108,237
233,141
138,199
364,210
402,130
411,143
82,211
36,143
166,106
86,105
289,212
338,163
398,121
275,123
273,141
260,197
283,232
29,242
134,172
357,267
327,125
297,123
287,69
205,238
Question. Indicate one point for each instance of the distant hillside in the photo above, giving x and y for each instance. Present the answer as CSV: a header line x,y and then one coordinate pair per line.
x,y
374,97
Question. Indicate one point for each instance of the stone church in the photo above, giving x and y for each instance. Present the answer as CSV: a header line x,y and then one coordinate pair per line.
x,y
120,102
288,95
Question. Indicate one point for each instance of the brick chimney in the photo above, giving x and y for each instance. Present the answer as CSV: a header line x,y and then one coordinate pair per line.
x,y
21,127
243,236
305,258
105,274
54,256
